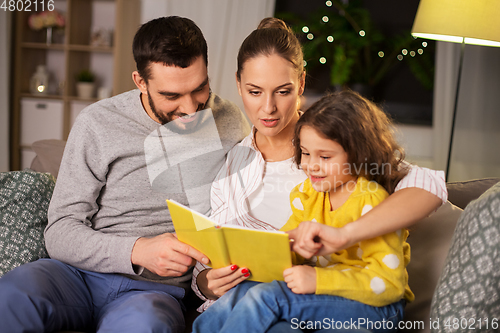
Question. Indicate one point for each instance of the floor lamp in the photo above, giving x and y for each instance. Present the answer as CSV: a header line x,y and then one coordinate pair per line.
x,y
474,22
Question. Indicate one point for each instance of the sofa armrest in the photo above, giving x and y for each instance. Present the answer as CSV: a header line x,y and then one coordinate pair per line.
x,y
48,156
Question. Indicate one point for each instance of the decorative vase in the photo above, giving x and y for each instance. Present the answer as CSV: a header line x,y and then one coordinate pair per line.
x,y
85,89
39,82
49,36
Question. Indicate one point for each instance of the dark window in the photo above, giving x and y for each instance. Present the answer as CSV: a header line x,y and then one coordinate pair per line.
x,y
405,90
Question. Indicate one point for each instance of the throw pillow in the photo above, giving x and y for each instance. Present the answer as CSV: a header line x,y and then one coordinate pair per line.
x,y
468,292
24,201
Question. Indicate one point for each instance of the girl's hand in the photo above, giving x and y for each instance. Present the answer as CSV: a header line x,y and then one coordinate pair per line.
x,y
316,239
301,279
214,283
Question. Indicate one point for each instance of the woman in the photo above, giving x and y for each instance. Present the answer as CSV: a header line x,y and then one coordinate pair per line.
x,y
253,188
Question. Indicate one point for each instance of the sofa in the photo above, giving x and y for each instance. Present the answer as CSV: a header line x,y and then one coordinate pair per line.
x,y
25,196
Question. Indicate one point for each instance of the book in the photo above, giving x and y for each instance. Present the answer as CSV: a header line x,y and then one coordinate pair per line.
x,y
265,253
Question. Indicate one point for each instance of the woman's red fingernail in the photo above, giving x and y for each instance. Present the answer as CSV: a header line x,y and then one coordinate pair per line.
x,y
247,275
233,267
244,270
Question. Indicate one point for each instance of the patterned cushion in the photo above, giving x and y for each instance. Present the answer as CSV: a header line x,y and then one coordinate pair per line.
x,y
24,200
468,292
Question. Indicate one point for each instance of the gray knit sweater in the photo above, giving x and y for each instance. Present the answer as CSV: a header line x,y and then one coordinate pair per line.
x,y
118,168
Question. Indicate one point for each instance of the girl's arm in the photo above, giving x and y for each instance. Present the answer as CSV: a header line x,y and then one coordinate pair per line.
x,y
417,195
400,210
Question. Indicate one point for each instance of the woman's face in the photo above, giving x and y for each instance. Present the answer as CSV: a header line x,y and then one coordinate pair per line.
x,y
270,88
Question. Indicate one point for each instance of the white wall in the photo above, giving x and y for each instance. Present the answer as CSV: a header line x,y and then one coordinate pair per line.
x,y
4,89
476,144
417,142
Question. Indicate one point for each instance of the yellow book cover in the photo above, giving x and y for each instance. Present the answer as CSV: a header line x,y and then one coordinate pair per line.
x,y
265,253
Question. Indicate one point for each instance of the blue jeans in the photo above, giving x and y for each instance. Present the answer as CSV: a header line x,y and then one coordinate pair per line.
x,y
48,295
255,307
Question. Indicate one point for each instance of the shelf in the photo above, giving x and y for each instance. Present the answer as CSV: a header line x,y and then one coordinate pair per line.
x,y
43,46
28,95
70,52
70,47
90,48
79,99
60,97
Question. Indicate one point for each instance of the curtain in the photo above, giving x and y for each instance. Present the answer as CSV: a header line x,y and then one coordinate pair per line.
x,y
225,24
476,143
4,89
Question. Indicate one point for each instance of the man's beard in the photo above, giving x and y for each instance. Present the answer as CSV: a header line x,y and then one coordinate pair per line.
x,y
164,119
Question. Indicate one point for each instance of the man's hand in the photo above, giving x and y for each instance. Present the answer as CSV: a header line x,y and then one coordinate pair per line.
x,y
214,283
301,279
165,255
316,239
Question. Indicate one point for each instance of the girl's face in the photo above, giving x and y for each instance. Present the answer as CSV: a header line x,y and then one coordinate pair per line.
x,y
270,88
324,161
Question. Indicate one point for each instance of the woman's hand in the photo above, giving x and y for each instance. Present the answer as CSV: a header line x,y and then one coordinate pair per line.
x,y
214,283
301,279
316,239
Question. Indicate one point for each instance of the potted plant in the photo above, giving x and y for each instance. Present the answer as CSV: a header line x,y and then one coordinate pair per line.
x,y
85,84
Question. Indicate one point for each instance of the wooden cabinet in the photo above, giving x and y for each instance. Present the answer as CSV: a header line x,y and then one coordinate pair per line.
x,y
69,52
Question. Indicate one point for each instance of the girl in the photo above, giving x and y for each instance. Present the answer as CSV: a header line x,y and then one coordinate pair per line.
x,y
345,146
253,188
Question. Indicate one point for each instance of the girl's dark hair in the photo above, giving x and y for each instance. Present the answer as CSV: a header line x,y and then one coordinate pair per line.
x,y
272,36
172,41
363,130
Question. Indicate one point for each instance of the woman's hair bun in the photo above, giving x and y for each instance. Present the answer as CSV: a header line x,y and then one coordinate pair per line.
x,y
273,23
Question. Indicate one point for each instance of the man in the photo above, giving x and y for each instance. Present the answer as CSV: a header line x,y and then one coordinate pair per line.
x,y
116,265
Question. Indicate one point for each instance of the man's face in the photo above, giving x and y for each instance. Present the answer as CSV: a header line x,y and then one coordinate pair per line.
x,y
175,93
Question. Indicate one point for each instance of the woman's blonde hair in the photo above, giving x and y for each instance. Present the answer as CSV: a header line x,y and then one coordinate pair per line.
x,y
272,36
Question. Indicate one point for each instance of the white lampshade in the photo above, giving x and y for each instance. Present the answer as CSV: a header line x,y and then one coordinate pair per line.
x,y
472,21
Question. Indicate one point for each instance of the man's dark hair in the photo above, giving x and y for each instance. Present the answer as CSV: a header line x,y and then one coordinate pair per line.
x,y
171,41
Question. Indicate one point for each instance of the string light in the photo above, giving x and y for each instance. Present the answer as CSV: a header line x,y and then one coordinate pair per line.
x,y
310,36
412,53
362,33
404,51
305,63
325,19
381,54
322,60
328,3
424,44
41,88
400,57
305,29
420,51
330,39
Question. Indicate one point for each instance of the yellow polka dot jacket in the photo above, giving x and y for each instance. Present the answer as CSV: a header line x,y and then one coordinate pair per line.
x,y
371,272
